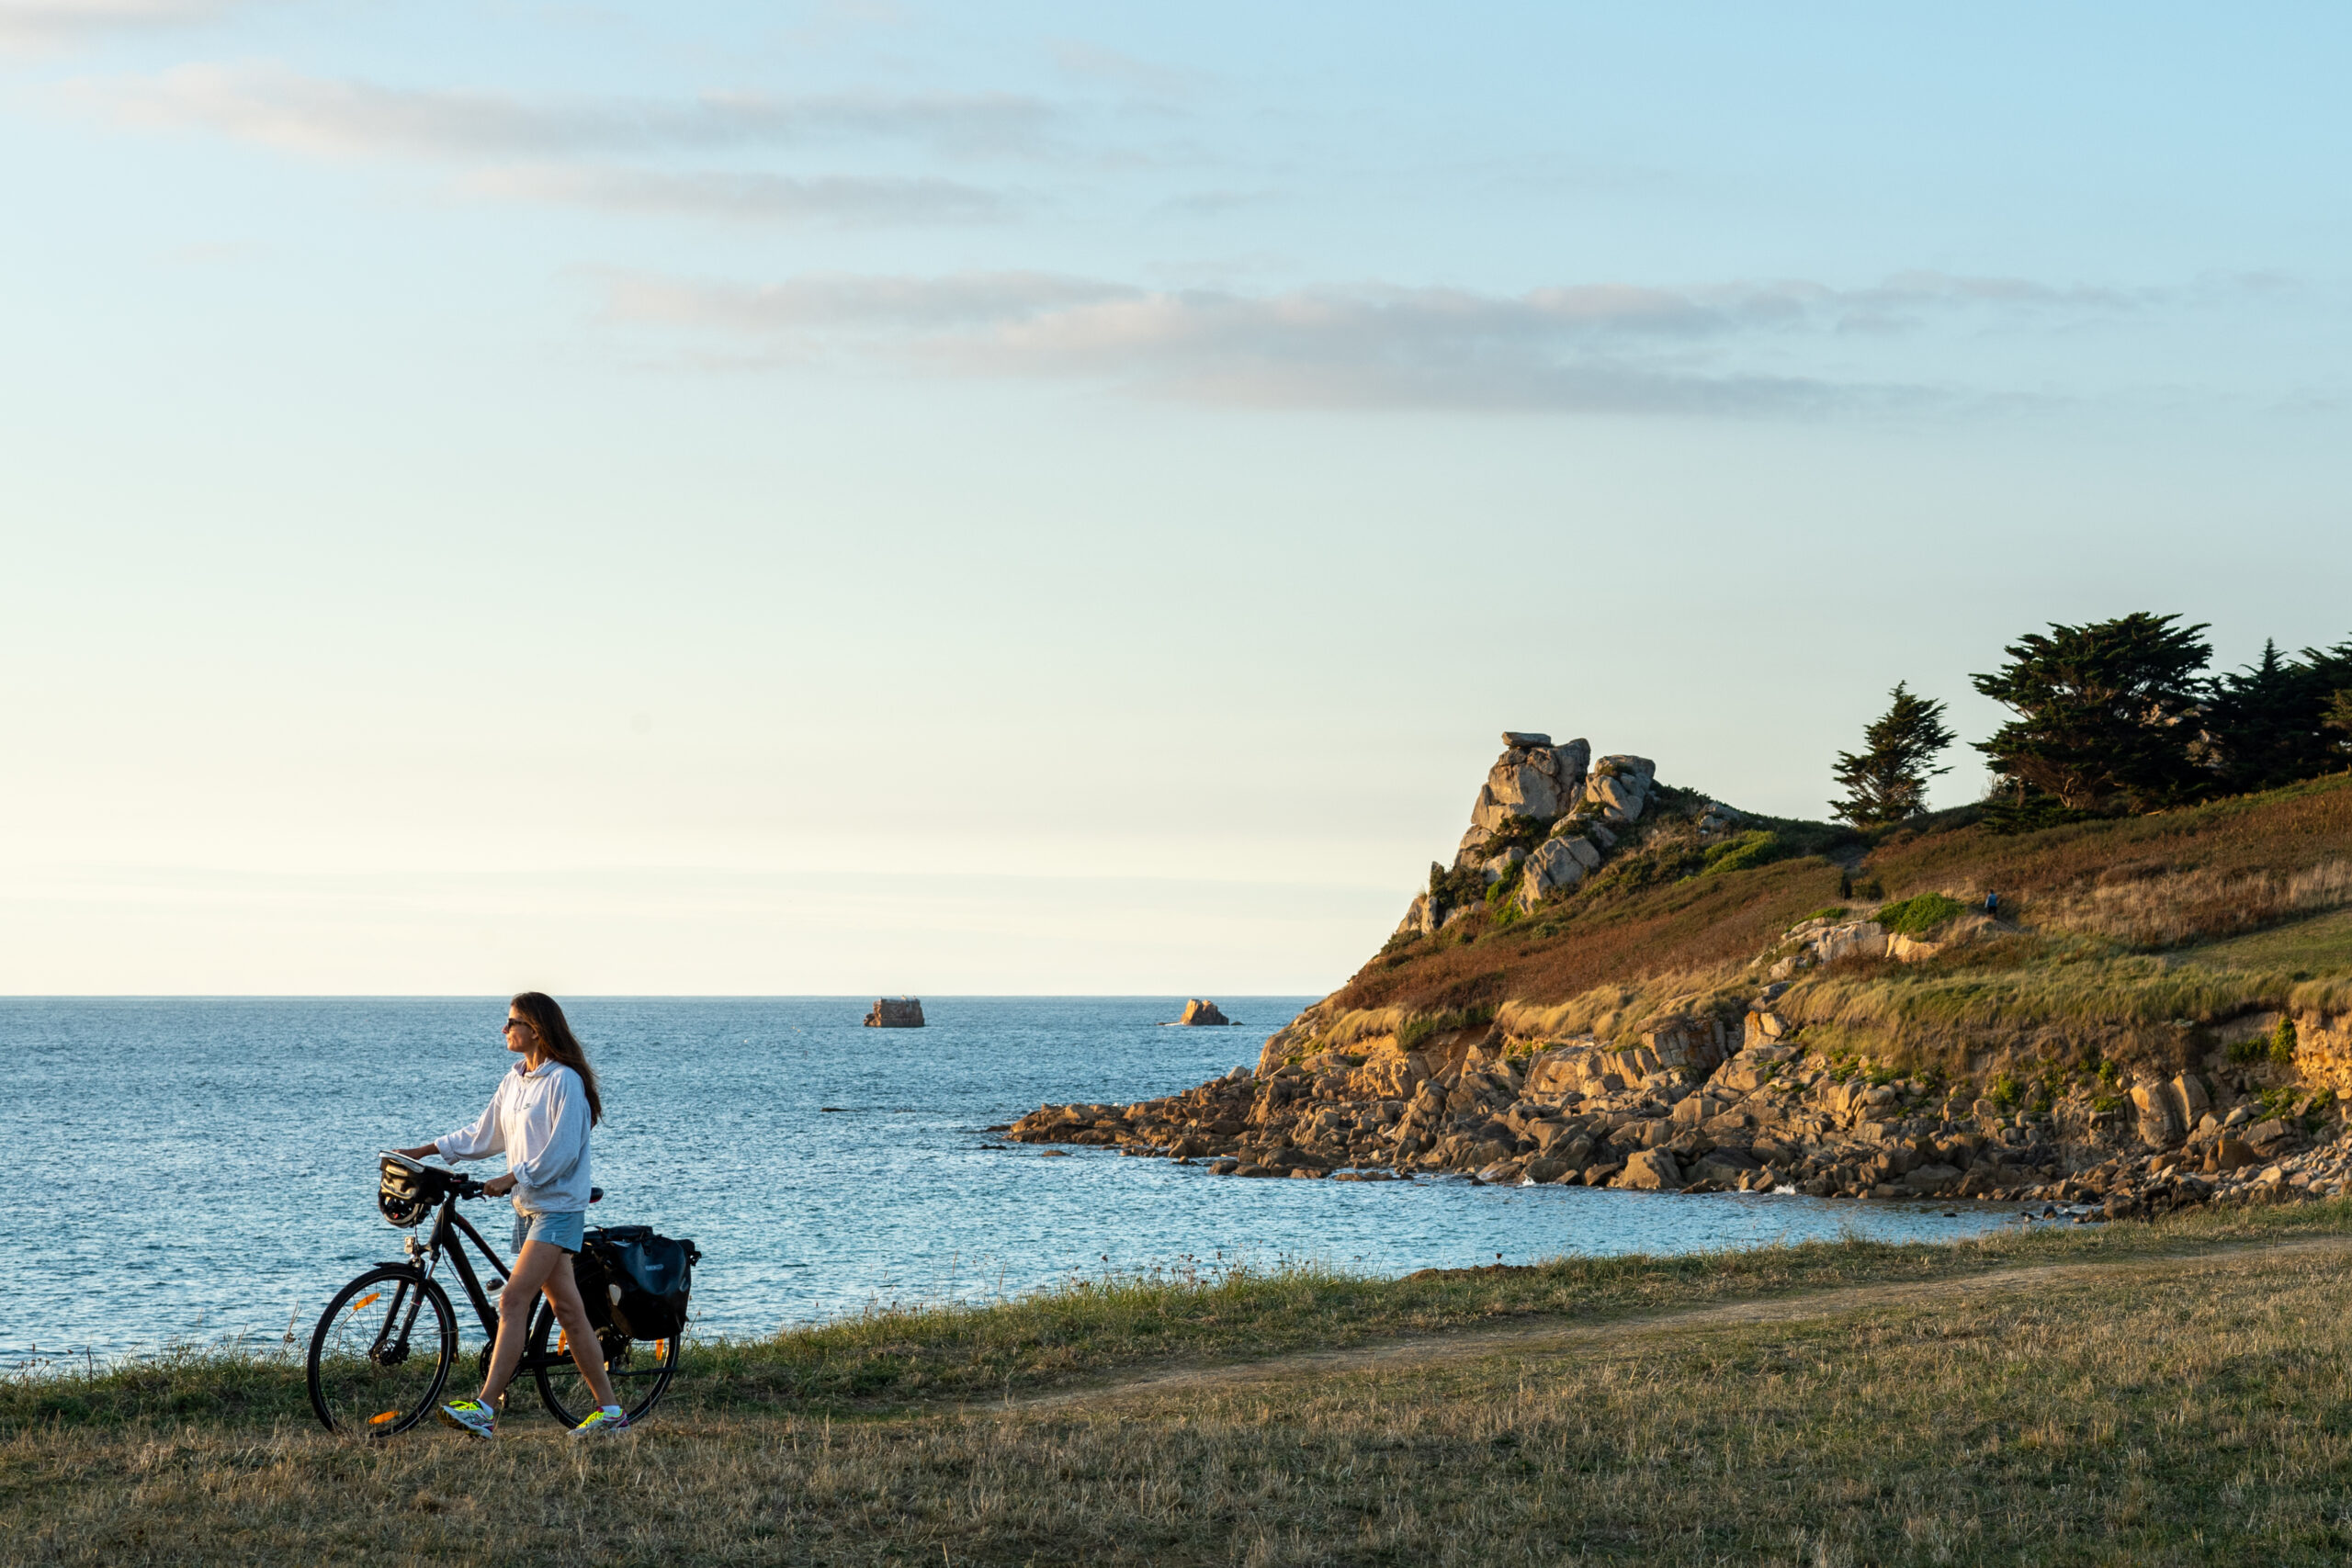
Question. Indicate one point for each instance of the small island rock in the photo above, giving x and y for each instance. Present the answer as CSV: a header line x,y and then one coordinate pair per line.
x,y
1197,1012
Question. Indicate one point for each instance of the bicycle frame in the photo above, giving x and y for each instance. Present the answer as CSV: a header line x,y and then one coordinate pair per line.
x,y
427,1257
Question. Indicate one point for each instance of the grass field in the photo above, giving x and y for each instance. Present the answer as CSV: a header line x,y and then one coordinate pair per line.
x,y
2172,1393
2319,945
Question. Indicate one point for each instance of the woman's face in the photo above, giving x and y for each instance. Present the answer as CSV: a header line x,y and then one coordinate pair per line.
x,y
520,1036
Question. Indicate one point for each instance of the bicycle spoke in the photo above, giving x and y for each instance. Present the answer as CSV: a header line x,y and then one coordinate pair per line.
x,y
643,1367
380,1353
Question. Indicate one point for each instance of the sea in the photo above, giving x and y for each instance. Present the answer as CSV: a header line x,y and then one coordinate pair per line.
x,y
201,1172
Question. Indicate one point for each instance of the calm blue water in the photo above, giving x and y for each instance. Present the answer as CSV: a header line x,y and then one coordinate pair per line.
x,y
198,1170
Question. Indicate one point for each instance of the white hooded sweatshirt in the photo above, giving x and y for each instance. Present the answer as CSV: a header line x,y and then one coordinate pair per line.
x,y
539,1121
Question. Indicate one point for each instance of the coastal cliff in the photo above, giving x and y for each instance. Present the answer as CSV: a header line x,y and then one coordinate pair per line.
x,y
1617,982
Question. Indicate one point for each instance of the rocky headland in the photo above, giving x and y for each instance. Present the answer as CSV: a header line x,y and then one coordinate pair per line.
x,y
1617,983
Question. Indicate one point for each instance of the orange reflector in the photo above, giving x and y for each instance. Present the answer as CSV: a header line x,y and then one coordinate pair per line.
x,y
562,1343
660,1348
365,1300
387,1416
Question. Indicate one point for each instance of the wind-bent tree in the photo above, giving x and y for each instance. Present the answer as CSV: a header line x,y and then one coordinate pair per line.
x,y
2107,715
2269,725
1887,780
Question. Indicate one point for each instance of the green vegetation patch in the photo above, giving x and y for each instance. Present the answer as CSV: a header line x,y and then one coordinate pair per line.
x,y
1918,917
1758,846
2318,944
1419,1031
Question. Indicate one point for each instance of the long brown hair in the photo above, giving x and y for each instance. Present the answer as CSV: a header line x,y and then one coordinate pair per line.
x,y
558,1044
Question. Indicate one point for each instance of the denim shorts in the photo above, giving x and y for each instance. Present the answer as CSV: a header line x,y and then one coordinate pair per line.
x,y
562,1229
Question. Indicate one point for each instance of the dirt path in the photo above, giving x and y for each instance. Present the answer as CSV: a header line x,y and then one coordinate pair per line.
x,y
1536,1339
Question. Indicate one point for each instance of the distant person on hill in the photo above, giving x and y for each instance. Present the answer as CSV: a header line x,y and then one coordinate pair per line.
x,y
539,1120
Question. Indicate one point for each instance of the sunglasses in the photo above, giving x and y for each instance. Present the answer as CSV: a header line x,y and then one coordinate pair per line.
x,y
514,1023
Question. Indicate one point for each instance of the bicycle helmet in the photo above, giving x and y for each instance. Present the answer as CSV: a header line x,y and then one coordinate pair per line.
x,y
406,1191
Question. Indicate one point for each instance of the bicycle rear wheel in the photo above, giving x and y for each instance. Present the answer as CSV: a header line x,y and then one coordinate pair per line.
x,y
381,1352
640,1369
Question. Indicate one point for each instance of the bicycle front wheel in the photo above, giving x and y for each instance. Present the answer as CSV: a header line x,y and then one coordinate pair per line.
x,y
640,1369
381,1352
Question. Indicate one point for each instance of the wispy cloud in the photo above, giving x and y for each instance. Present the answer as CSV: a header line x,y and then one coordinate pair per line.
x,y
331,117
50,24
1093,63
605,153
1603,347
841,199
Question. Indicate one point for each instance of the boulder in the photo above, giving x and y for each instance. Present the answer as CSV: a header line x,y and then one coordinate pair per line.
x,y
1504,863
1652,1170
1198,1012
2191,1102
2231,1154
1853,938
2158,1124
2273,1131
1525,788
1555,865
895,1012
1932,1180
1725,1165
1619,800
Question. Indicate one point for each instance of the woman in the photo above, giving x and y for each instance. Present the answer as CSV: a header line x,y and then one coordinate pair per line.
x,y
539,1120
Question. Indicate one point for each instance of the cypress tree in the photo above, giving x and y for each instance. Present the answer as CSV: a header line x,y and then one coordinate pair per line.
x,y
2106,719
1887,780
2267,725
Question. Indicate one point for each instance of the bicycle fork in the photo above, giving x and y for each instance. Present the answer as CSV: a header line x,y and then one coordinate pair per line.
x,y
407,1299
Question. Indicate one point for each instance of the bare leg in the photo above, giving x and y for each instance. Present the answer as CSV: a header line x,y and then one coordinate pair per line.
x,y
587,1351
533,1266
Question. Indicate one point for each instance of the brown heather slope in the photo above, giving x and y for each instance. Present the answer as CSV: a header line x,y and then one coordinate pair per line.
x,y
2210,871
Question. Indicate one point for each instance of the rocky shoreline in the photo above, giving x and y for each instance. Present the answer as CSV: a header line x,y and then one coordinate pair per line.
x,y
1681,1113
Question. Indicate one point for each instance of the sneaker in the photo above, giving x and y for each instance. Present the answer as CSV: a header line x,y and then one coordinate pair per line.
x,y
602,1423
470,1415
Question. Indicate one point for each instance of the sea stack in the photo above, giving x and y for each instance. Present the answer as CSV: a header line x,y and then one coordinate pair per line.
x,y
1198,1012
896,1012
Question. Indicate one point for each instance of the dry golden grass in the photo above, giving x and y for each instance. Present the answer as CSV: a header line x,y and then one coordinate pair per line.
x,y
1993,991
2190,1410
2162,908
1618,1011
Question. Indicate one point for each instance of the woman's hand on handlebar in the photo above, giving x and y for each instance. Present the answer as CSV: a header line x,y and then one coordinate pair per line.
x,y
498,1186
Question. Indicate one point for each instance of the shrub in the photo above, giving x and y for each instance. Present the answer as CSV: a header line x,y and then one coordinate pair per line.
x,y
2282,1041
2005,1091
1759,846
1417,1031
1918,917
1834,911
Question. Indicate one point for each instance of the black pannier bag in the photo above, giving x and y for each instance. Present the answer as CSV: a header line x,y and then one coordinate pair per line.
x,y
646,1279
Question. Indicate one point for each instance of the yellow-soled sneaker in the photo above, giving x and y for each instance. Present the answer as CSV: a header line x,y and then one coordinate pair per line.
x,y
470,1415
603,1423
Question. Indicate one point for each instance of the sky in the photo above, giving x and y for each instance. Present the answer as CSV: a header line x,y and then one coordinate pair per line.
x,y
873,497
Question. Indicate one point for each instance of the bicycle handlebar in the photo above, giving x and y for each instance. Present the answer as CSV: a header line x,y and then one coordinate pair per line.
x,y
467,1186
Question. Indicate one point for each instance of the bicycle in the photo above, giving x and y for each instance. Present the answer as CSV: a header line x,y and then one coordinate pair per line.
x,y
382,1350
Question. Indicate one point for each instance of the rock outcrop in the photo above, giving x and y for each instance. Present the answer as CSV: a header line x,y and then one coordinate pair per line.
x,y
1199,1012
1544,821
895,1012
1740,1089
